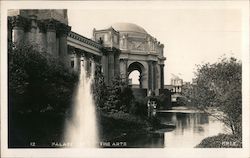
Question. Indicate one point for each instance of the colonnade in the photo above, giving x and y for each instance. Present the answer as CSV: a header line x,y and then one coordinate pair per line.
x,y
89,61
46,35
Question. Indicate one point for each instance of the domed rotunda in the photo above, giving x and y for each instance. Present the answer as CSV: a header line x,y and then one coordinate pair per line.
x,y
137,50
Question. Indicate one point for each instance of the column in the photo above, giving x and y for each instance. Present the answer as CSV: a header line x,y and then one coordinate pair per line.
x,y
116,63
18,30
93,66
149,75
33,28
41,36
10,27
63,50
105,67
123,68
162,76
84,62
111,67
51,38
153,75
63,31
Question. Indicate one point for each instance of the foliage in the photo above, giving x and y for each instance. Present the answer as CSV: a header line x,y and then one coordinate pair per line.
x,y
163,101
114,98
38,81
100,91
114,125
219,87
181,101
139,107
221,141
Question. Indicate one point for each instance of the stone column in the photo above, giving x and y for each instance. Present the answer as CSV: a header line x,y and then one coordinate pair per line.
x,y
116,63
123,69
78,58
153,75
41,36
77,62
63,31
10,27
31,35
162,76
51,38
111,68
149,75
63,49
93,66
18,30
105,67
85,62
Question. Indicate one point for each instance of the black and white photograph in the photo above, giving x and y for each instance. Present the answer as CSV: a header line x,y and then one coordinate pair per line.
x,y
140,78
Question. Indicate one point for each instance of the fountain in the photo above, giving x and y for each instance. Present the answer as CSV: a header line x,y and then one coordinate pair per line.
x,y
81,129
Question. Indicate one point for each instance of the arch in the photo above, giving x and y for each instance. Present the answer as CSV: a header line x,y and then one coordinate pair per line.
x,y
136,66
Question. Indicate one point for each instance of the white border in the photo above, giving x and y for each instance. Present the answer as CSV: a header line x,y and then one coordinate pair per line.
x,y
178,152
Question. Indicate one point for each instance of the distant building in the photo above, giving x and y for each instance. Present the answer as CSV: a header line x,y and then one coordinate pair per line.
x,y
177,84
175,87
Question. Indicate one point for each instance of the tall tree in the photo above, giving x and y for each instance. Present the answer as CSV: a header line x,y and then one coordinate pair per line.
x,y
219,87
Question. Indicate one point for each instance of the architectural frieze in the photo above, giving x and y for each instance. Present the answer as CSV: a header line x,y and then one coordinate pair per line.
x,y
84,40
19,22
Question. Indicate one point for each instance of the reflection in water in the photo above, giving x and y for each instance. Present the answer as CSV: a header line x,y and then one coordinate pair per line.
x,y
150,140
191,128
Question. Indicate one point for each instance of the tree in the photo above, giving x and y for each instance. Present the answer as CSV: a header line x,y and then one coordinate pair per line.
x,y
116,97
99,89
219,87
38,81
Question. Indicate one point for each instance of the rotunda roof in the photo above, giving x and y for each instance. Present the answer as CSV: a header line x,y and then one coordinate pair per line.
x,y
128,27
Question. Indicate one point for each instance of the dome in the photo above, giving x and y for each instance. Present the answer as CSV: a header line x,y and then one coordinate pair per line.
x,y
128,27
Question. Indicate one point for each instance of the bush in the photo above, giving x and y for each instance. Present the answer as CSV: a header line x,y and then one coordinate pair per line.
x,y
116,97
163,101
221,141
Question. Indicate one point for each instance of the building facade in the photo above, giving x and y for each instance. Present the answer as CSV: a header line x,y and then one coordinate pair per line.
x,y
117,50
138,50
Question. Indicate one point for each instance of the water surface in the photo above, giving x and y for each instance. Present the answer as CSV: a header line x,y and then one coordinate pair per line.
x,y
191,127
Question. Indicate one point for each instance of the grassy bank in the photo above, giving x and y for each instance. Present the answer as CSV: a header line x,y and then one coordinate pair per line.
x,y
221,141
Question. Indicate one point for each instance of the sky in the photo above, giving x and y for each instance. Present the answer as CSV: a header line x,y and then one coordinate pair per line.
x,y
191,35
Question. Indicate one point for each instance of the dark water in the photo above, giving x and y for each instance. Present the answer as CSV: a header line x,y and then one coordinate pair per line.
x,y
191,128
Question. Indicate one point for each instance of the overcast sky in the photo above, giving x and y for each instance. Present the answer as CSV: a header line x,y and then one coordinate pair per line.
x,y
191,35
